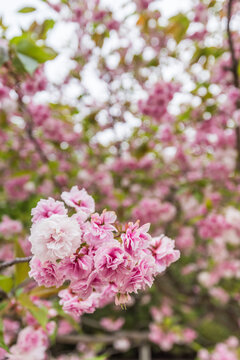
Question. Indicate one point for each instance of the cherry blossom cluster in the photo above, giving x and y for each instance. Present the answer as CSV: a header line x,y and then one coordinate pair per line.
x,y
158,99
184,137
98,258
166,334
228,350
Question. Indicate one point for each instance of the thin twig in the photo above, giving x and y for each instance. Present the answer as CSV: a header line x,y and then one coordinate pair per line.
x,y
234,69
14,262
30,127
32,138
106,339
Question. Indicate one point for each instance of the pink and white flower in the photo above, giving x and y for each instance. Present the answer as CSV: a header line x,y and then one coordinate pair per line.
x,y
55,238
136,238
46,274
31,344
111,261
80,200
73,305
163,250
47,208
112,325
9,227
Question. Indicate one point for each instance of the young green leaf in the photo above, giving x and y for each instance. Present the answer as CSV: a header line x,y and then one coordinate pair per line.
x,y
39,313
29,64
25,45
21,269
27,9
6,283
2,343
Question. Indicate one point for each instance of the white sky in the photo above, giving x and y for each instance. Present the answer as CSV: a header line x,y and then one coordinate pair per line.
x,y
8,9
61,37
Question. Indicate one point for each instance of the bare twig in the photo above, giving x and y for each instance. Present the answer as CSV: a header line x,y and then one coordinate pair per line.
x,y
14,262
30,126
32,138
106,339
234,69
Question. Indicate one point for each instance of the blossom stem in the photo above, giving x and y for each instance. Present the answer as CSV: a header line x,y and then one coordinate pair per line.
x,y
15,261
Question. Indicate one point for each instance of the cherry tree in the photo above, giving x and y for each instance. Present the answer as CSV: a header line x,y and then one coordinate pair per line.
x,y
144,123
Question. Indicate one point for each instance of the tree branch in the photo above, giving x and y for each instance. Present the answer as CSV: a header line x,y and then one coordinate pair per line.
x,y
234,69
107,339
30,125
30,133
14,262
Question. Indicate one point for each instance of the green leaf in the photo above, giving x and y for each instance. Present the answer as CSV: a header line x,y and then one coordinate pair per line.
x,y
42,291
71,321
213,331
29,64
25,45
153,62
178,26
2,343
46,26
6,283
39,313
3,305
27,10
21,269
206,51
239,68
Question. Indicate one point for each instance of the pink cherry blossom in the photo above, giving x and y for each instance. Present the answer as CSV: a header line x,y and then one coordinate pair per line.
x,y
164,252
76,267
46,274
189,335
111,261
80,200
47,208
100,229
31,344
112,325
135,237
164,340
73,305
213,225
122,344
140,277
64,327
9,227
55,238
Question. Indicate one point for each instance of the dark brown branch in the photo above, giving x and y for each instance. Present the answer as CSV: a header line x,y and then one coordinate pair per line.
x,y
234,69
14,262
38,148
136,336
30,133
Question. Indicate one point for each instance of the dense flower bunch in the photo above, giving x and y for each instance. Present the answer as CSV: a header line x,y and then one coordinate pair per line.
x,y
31,344
158,100
164,332
98,257
228,350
